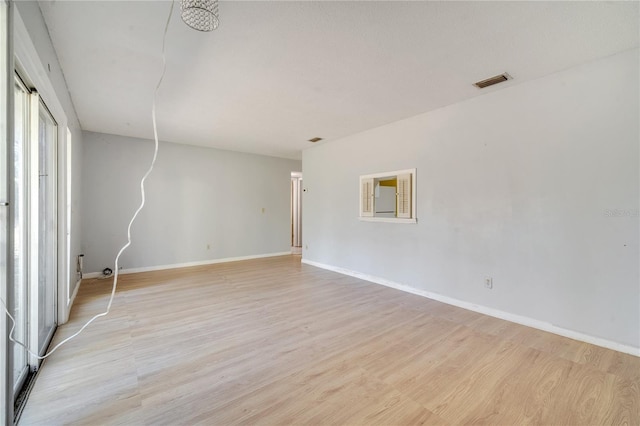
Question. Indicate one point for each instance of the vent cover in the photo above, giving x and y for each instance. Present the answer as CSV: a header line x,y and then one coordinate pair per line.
x,y
492,80
315,139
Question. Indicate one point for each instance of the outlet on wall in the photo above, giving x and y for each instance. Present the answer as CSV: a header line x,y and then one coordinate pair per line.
x,y
488,282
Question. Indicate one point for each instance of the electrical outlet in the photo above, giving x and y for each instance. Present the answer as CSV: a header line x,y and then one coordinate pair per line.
x,y
488,282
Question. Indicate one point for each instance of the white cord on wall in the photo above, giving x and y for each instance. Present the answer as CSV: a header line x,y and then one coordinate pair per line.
x,y
133,218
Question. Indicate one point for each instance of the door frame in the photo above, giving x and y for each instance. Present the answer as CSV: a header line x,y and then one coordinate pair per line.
x,y
296,209
6,135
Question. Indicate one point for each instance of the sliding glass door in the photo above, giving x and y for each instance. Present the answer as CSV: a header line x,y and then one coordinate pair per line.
x,y
19,301
47,229
29,209
33,294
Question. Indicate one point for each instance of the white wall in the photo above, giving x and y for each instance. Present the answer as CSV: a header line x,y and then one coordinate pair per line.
x,y
195,197
516,184
40,62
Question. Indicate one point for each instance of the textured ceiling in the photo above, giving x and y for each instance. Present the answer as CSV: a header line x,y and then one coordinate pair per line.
x,y
275,74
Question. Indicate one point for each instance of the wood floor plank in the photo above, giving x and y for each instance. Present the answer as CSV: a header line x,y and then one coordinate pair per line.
x,y
271,341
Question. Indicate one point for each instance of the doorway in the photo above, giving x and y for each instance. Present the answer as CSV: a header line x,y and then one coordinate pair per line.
x,y
296,212
33,296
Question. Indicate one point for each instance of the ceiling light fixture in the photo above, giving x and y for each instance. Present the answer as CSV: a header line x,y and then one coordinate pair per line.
x,y
201,15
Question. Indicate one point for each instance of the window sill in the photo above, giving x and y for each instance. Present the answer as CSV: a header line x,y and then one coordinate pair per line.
x,y
387,219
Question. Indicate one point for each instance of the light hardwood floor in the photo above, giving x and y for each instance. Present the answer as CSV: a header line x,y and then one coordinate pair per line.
x,y
271,341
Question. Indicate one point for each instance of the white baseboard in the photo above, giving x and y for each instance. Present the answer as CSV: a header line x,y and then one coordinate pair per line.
x,y
70,301
187,264
74,294
529,322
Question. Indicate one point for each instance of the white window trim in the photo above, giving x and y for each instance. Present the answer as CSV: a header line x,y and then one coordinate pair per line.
x,y
413,218
387,219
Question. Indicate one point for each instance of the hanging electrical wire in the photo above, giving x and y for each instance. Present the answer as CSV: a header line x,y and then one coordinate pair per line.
x,y
133,218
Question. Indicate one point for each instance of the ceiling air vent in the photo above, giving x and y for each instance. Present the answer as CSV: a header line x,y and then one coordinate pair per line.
x,y
315,139
492,80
